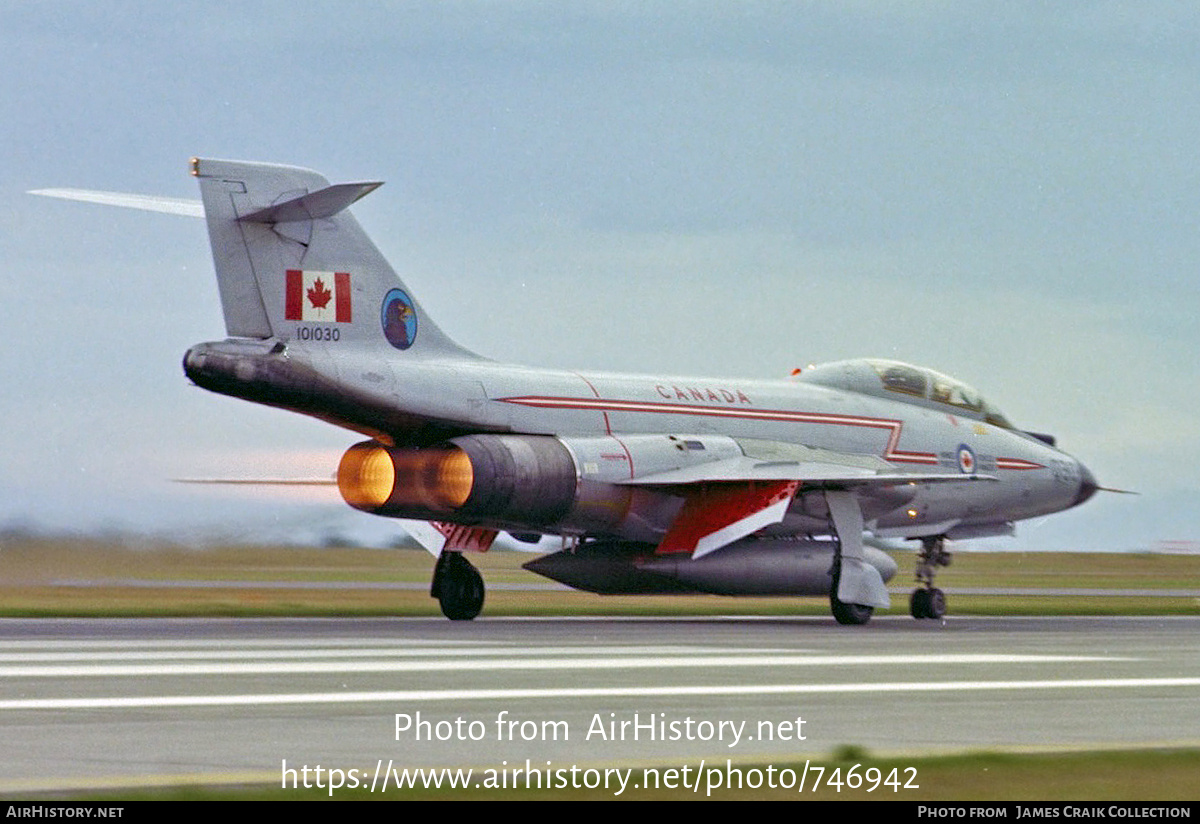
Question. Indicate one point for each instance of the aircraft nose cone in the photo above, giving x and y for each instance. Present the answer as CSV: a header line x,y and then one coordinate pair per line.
x,y
1087,485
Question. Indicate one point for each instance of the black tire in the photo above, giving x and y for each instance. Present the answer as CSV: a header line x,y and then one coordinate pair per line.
x,y
937,604
850,614
461,593
846,614
919,603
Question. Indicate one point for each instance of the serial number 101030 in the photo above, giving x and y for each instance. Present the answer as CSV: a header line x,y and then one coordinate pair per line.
x,y
318,333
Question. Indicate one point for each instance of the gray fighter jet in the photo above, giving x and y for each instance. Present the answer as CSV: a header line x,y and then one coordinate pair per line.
x,y
656,484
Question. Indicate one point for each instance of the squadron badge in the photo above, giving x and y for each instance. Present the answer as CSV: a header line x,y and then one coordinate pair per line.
x,y
399,319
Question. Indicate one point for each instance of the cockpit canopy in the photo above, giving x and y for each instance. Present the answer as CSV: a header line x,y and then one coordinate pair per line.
x,y
903,382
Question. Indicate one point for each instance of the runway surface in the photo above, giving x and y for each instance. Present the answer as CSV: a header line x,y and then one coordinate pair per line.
x,y
90,703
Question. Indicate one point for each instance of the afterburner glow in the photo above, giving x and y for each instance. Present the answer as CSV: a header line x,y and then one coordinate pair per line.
x,y
372,477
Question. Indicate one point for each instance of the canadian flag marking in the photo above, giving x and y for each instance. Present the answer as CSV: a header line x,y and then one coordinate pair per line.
x,y
322,297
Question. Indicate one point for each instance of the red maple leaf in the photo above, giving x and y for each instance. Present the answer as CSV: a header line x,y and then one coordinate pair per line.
x,y
318,295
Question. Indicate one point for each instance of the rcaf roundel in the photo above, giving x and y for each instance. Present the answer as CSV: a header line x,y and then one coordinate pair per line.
x,y
966,459
323,297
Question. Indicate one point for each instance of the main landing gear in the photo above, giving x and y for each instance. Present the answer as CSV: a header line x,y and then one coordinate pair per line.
x,y
844,613
849,614
857,587
927,600
458,586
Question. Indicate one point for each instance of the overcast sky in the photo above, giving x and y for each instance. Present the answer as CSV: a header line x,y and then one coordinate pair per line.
x,y
1006,192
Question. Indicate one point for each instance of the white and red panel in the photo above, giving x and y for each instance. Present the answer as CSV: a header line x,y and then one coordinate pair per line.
x,y
317,297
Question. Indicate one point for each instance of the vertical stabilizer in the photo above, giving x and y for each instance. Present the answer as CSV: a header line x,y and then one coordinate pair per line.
x,y
293,264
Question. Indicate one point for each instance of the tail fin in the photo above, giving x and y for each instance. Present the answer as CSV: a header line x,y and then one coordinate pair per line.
x,y
294,265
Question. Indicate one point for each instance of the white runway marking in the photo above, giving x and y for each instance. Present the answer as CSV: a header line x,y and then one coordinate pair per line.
x,y
413,696
219,653
614,662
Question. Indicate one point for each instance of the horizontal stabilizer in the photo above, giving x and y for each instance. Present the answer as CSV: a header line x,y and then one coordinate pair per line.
x,y
331,481
426,534
146,203
325,202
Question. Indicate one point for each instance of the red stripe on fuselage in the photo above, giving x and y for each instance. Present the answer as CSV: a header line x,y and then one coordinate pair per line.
x,y
604,412
1017,463
893,426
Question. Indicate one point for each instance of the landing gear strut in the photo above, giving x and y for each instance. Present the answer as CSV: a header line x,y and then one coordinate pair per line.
x,y
927,600
857,586
458,586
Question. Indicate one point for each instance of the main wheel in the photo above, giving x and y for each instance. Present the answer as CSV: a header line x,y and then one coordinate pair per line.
x,y
843,613
461,592
850,614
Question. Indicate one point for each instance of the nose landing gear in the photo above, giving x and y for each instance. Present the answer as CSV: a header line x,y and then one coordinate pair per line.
x,y
928,601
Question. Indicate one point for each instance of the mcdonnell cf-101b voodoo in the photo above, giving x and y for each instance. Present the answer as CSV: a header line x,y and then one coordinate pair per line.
x,y
656,484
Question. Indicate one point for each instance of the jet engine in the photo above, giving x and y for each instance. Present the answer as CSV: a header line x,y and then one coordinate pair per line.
x,y
520,482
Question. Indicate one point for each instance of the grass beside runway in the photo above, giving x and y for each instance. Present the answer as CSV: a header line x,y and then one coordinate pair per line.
x,y
88,577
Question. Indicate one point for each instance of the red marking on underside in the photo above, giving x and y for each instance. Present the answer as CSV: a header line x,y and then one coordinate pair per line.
x,y
464,538
714,507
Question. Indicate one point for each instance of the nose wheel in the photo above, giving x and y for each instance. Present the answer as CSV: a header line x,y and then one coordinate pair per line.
x,y
928,601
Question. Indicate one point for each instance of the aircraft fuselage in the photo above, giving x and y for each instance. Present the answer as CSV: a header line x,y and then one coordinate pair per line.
x,y
419,404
